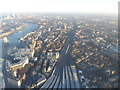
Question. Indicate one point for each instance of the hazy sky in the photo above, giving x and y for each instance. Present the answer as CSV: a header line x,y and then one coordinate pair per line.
x,y
79,6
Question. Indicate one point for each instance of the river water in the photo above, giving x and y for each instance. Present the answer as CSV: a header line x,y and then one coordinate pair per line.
x,y
14,38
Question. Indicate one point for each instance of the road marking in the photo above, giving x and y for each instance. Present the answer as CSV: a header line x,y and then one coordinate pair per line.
x,y
67,49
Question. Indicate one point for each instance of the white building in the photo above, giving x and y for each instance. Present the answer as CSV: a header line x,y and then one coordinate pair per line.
x,y
53,55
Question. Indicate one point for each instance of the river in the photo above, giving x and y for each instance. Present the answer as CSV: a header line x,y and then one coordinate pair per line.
x,y
5,47
14,38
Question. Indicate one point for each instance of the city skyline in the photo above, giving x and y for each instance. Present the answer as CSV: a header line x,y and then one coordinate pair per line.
x,y
60,6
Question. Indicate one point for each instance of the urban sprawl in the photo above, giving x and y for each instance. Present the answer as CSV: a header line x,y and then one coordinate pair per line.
x,y
63,52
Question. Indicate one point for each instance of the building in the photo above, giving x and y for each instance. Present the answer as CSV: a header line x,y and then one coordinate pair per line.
x,y
19,65
16,82
53,55
49,68
30,52
32,44
18,70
